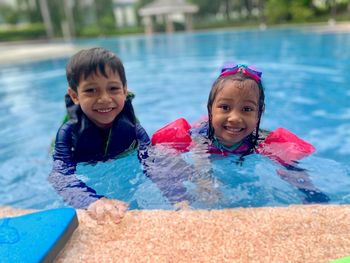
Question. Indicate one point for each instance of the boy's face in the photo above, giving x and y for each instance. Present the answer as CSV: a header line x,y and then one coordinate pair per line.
x,y
235,112
100,98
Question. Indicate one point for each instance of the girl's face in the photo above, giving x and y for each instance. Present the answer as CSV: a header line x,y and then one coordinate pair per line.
x,y
235,111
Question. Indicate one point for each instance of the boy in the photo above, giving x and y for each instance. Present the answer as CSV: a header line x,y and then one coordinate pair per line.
x,y
101,125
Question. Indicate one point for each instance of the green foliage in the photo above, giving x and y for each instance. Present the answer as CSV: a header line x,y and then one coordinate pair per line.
x,y
107,23
104,15
57,15
277,11
300,12
90,31
94,31
129,30
98,18
29,12
8,14
207,7
32,31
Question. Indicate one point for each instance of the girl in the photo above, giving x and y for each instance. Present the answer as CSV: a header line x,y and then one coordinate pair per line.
x,y
235,105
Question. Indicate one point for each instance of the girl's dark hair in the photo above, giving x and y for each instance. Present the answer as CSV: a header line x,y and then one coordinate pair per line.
x,y
90,61
218,85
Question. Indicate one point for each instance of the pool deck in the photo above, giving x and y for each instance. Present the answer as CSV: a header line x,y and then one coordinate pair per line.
x,y
291,234
331,27
22,52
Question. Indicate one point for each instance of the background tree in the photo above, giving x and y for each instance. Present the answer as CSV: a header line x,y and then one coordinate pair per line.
x,y
8,14
207,8
277,11
30,11
46,16
301,10
105,17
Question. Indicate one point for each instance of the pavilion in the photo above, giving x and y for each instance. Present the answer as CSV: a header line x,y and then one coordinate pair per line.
x,y
167,11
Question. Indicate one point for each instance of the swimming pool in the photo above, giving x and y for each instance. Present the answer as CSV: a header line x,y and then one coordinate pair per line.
x,y
307,88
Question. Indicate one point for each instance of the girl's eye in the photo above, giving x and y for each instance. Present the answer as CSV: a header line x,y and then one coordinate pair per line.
x,y
248,109
224,107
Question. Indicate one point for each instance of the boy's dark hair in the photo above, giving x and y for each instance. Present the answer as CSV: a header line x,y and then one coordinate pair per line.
x,y
217,85
91,61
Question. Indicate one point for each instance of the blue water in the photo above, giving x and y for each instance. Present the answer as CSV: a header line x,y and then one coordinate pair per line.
x,y
306,77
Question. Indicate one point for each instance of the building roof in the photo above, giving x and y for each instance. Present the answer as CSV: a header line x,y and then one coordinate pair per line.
x,y
161,7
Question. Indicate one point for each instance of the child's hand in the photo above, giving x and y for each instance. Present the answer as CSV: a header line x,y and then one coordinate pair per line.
x,y
299,179
104,207
302,181
183,205
207,191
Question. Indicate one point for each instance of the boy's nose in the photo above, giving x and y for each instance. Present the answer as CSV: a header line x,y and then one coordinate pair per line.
x,y
104,97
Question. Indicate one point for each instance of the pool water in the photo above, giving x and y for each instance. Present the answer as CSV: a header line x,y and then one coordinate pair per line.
x,y
305,75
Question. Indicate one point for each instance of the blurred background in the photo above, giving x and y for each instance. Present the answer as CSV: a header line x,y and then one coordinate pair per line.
x,y
48,19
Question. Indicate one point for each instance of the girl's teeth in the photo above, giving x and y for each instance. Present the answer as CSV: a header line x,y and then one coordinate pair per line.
x,y
234,129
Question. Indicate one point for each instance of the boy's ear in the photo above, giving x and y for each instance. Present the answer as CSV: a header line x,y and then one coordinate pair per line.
x,y
73,95
125,90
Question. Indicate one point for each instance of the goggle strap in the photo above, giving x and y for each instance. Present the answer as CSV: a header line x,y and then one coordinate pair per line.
x,y
256,75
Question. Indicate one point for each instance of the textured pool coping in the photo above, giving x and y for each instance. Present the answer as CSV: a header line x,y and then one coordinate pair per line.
x,y
287,234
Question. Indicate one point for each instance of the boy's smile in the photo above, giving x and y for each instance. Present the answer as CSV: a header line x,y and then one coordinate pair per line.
x,y
100,98
235,112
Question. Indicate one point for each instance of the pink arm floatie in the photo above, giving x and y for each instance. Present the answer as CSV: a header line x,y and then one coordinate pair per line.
x,y
175,134
285,147
280,145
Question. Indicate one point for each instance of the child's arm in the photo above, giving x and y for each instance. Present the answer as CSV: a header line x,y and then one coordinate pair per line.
x,y
286,148
299,178
74,191
160,167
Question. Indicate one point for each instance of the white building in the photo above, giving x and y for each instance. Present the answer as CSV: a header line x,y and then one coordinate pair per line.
x,y
168,12
124,13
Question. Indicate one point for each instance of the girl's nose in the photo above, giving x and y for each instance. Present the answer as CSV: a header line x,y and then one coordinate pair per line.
x,y
234,116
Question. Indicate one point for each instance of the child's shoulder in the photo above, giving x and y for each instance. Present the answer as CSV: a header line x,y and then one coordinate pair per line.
x,y
262,135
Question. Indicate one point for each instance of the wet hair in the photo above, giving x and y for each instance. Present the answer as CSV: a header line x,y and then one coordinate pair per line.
x,y
93,61
244,80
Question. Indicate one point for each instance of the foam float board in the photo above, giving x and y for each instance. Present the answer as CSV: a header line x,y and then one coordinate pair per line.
x,y
36,237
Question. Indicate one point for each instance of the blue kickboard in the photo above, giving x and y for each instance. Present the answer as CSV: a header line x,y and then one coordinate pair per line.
x,y
36,237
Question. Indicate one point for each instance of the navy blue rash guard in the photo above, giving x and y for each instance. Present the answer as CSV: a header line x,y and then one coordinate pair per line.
x,y
80,140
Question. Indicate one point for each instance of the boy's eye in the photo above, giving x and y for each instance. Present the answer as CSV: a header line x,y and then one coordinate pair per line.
x,y
90,90
115,88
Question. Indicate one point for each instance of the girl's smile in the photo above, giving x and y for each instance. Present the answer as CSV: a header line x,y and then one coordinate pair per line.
x,y
235,111
104,110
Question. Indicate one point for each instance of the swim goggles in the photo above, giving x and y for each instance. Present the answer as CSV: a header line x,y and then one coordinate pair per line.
x,y
231,69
